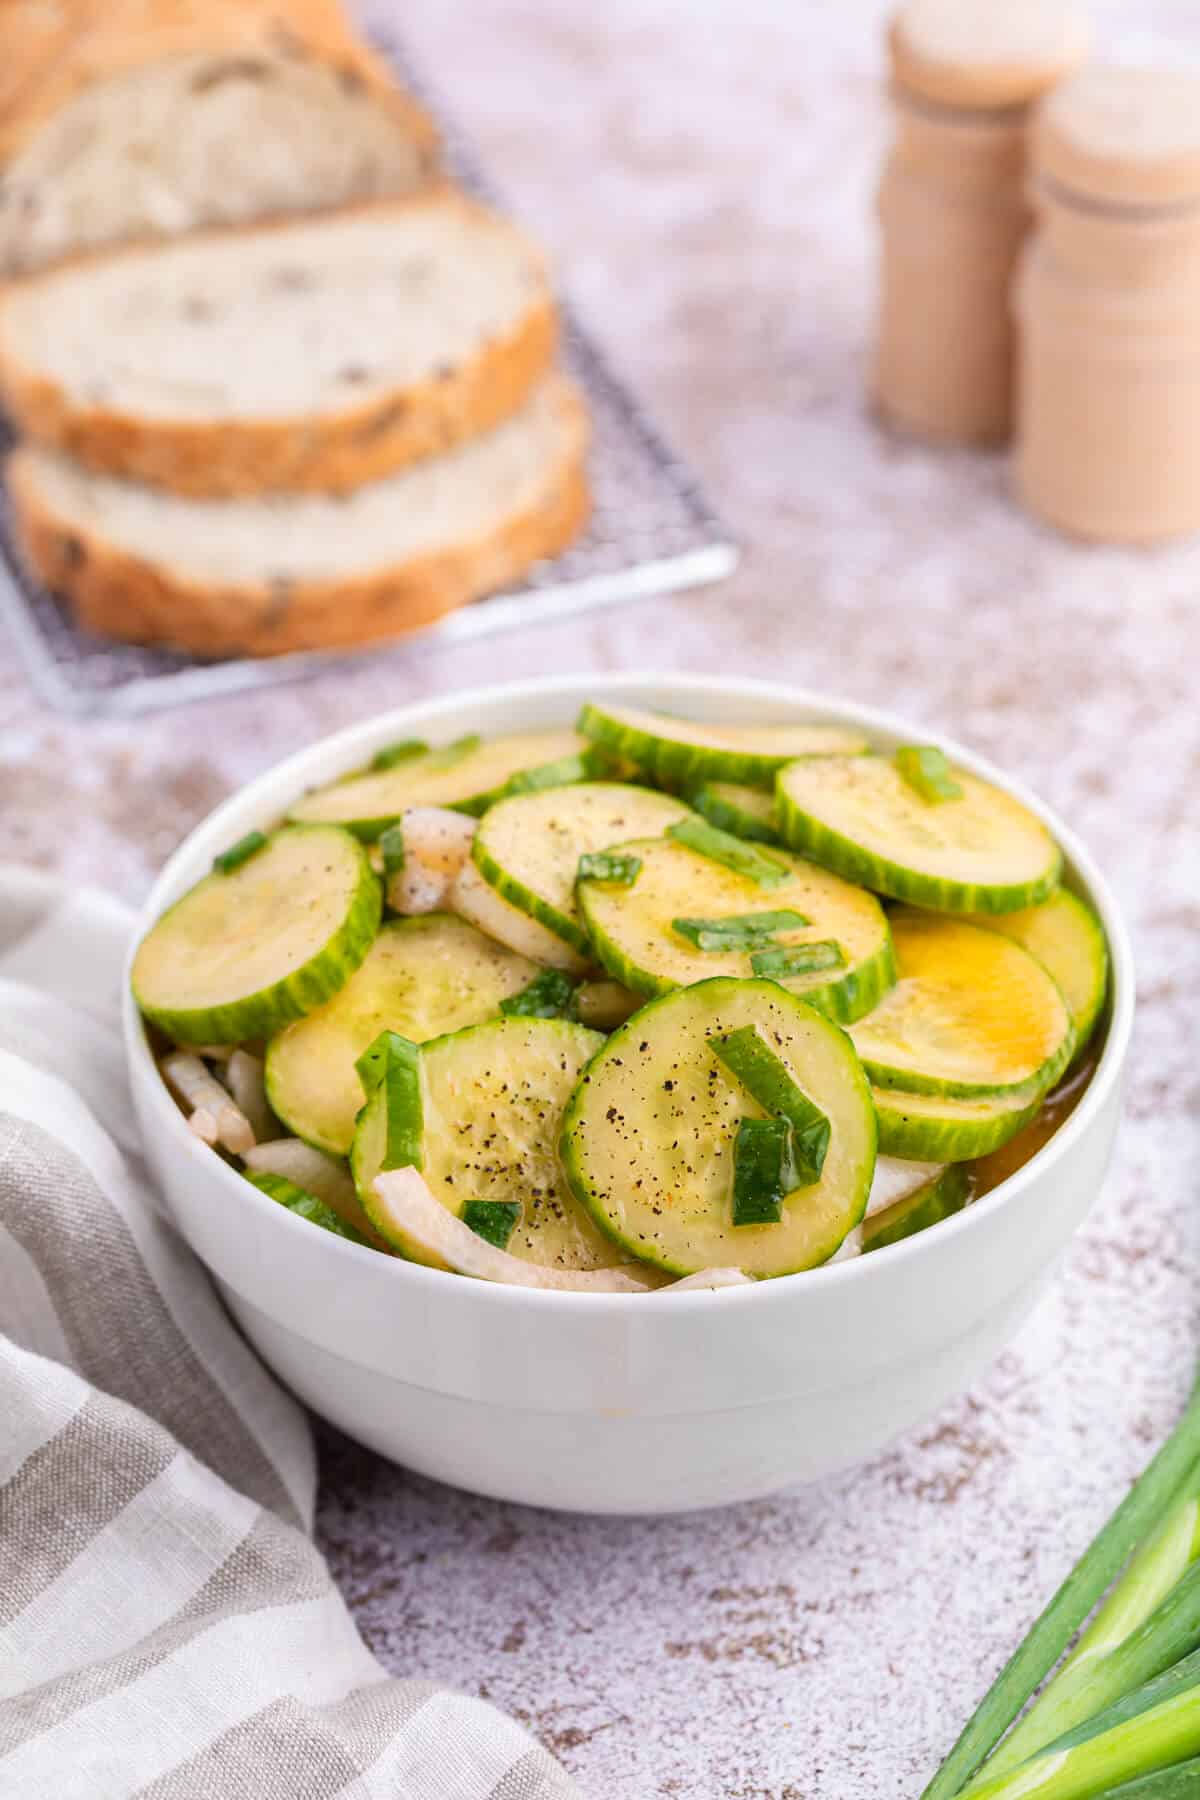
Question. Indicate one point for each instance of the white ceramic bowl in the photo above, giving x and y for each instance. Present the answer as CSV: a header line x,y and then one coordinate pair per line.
x,y
624,1403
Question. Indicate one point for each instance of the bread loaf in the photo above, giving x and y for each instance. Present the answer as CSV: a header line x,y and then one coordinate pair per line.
x,y
286,573
131,119
314,355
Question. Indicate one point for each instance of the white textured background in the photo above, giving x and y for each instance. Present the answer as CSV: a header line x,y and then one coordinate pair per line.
x,y
703,172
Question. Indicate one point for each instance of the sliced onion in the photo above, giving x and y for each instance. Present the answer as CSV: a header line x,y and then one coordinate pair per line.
x,y
203,1125
405,1199
851,1246
246,1076
895,1180
439,839
472,899
413,890
201,1092
711,1278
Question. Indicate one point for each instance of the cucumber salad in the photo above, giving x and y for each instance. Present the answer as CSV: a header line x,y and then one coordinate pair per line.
x,y
642,1005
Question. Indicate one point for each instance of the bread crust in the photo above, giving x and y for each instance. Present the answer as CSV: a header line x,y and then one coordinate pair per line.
x,y
81,42
118,594
310,453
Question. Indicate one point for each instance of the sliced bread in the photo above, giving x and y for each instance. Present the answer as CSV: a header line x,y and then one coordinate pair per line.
x,y
266,576
137,119
312,356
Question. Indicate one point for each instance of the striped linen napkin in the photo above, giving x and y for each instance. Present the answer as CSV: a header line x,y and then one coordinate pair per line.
x,y
166,1627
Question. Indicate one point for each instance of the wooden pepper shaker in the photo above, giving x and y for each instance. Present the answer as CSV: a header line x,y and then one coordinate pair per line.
x,y
952,206
1108,305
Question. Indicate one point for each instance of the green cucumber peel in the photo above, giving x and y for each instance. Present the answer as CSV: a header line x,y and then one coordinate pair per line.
x,y
762,1172
550,995
1150,1620
797,959
1144,1506
391,845
563,773
738,931
735,853
752,1062
939,1199
925,769
493,1220
609,867
391,754
239,853
733,812
298,1200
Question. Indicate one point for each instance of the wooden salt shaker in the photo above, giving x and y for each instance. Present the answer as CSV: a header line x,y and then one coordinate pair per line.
x,y
953,209
1108,304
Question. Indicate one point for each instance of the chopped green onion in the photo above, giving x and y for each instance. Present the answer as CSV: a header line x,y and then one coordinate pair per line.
x,y
393,1063
604,865
797,959
733,852
563,773
391,754
303,1204
761,1158
752,1062
1126,1638
1146,1502
391,844
927,773
239,853
549,995
738,931
493,1220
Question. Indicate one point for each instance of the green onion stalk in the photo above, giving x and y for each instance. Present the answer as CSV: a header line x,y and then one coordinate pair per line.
x,y
1158,1739
1168,1482
1151,1618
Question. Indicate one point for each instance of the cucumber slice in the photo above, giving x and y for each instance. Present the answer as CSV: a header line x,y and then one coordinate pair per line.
x,y
327,1179
605,1004
947,1193
1068,940
939,1128
421,977
747,812
648,1139
858,815
305,1205
243,954
471,897
468,777
895,1180
680,753
633,929
491,1101
971,1014
528,848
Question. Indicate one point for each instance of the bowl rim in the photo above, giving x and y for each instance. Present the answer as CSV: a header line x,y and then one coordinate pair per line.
x,y
347,748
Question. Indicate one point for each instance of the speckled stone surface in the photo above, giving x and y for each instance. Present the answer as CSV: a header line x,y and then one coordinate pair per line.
x,y
703,173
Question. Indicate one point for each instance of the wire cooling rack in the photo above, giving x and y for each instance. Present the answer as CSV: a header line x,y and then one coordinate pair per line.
x,y
652,532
